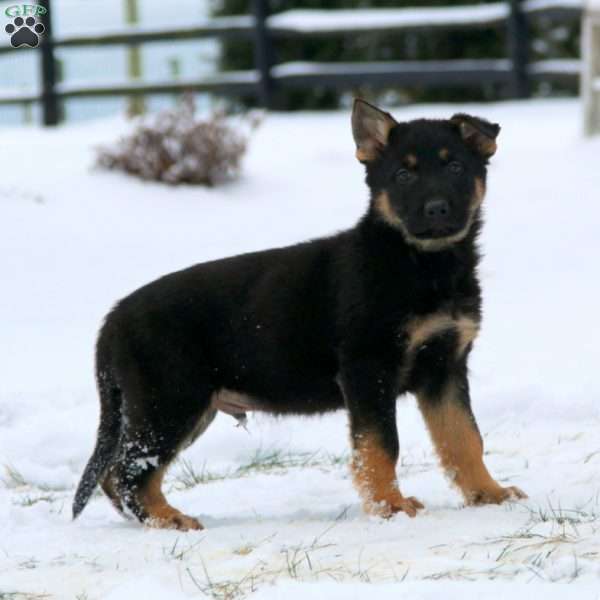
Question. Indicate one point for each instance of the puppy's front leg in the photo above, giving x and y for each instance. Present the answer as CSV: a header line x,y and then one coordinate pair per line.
x,y
446,408
370,389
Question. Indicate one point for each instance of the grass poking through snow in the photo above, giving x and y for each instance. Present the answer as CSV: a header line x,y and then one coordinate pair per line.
x,y
12,479
262,461
22,596
297,562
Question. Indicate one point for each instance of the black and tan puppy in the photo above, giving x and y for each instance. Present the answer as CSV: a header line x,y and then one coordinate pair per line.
x,y
350,321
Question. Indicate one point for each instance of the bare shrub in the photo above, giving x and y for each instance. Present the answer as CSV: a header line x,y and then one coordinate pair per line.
x,y
175,146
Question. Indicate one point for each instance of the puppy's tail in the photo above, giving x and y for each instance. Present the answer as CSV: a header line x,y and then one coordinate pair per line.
x,y
107,441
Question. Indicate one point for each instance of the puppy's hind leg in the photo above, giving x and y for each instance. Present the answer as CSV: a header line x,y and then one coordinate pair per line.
x,y
150,444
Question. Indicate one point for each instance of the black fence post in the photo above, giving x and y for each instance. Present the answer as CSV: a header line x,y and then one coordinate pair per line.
x,y
518,50
263,52
49,99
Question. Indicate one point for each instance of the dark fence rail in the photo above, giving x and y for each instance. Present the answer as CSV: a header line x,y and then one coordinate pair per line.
x,y
515,71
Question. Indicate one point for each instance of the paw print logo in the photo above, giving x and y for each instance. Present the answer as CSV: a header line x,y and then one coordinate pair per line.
x,y
24,32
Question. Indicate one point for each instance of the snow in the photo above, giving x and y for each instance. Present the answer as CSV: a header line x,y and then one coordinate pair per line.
x,y
215,24
12,94
368,19
299,68
541,5
561,65
592,6
422,591
250,77
282,519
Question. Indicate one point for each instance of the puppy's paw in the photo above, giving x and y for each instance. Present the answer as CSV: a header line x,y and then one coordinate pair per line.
x,y
496,495
173,519
388,508
408,505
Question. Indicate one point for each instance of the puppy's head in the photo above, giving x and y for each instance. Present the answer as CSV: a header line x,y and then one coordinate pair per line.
x,y
427,177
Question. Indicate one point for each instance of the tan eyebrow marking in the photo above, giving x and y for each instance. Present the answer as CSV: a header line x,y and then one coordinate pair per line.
x,y
410,160
444,154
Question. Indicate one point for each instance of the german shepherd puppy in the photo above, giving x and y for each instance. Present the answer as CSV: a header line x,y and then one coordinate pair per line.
x,y
349,321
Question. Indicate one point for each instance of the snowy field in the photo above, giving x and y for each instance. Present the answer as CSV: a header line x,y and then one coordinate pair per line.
x,y
282,519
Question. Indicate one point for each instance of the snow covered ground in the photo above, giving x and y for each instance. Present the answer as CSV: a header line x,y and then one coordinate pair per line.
x,y
282,518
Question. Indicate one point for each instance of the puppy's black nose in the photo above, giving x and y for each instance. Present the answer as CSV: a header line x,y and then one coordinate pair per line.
x,y
437,211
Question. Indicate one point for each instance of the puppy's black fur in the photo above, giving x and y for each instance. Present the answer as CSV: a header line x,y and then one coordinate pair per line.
x,y
349,321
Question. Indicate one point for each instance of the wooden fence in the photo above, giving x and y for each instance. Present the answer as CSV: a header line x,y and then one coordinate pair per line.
x,y
514,70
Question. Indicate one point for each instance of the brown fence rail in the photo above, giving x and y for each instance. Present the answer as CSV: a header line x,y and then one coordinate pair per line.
x,y
514,71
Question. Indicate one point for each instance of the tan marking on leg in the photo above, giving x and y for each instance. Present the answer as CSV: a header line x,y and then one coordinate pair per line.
x,y
161,514
374,475
460,449
444,154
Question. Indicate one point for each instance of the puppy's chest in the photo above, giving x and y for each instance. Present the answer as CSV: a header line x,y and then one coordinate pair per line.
x,y
417,332
444,309
432,346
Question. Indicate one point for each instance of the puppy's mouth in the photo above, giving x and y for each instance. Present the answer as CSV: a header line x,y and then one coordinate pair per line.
x,y
437,233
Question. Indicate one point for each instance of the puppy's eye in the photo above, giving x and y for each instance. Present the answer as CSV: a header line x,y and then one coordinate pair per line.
x,y
455,167
403,175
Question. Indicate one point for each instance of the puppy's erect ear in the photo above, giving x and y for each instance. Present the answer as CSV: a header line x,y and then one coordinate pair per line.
x,y
477,133
370,128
